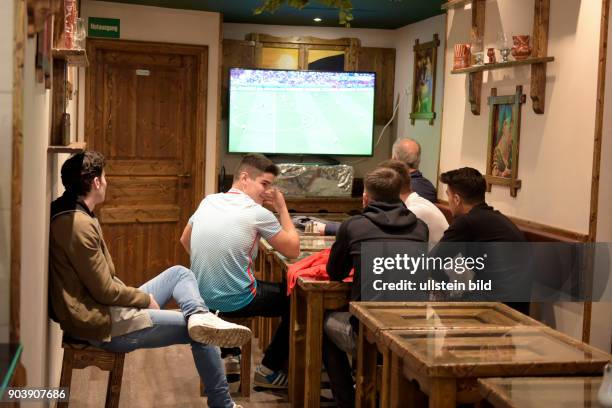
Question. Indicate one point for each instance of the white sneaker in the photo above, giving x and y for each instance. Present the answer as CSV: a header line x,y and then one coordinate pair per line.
x,y
208,328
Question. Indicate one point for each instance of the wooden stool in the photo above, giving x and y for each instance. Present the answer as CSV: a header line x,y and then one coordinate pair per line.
x,y
80,354
245,358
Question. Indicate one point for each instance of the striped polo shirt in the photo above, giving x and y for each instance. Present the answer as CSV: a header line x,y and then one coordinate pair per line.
x,y
226,228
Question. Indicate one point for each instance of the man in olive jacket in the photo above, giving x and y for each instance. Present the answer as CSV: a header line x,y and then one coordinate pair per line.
x,y
91,303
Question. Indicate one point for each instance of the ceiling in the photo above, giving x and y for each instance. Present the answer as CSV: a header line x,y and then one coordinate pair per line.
x,y
387,14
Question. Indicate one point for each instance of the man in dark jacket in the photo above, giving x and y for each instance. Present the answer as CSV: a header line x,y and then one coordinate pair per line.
x,y
92,304
477,222
408,150
384,218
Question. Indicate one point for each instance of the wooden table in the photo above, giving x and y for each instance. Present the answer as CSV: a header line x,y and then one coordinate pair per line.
x,y
309,301
376,317
266,325
447,363
537,392
273,268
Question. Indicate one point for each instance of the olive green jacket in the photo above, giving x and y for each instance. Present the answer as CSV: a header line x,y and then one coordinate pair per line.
x,y
82,281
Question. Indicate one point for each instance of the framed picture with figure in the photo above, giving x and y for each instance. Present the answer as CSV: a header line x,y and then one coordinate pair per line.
x,y
503,145
424,80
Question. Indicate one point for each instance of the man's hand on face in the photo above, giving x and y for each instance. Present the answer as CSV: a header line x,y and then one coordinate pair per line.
x,y
153,303
275,199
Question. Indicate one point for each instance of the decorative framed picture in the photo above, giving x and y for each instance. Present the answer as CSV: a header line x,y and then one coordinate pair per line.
x,y
424,80
504,136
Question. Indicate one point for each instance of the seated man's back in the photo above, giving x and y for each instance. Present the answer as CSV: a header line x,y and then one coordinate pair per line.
x,y
379,222
225,231
476,222
483,224
222,237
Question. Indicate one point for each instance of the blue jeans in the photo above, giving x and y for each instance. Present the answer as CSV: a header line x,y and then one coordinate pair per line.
x,y
170,327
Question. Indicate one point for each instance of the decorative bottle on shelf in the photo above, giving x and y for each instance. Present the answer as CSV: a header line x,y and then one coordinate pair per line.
x,y
79,34
604,396
463,56
521,49
70,13
491,55
477,51
503,44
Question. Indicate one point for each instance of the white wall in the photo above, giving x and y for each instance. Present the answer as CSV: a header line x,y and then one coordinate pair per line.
x,y
556,147
143,23
428,136
6,135
34,223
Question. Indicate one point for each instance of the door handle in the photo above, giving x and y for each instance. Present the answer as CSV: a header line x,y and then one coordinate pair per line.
x,y
186,175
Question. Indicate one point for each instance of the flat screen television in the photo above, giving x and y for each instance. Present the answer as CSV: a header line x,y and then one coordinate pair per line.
x,y
301,112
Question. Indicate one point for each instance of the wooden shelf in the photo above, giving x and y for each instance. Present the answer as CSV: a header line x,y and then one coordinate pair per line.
x,y
539,42
75,147
500,65
77,58
450,4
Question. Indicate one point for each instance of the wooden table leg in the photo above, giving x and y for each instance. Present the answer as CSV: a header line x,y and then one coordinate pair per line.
x,y
296,348
443,393
386,378
314,344
366,371
403,392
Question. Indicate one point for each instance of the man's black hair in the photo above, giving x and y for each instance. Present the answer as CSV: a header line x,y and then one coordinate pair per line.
x,y
467,182
79,171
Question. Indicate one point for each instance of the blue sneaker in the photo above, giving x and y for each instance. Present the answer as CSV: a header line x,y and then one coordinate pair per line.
x,y
266,378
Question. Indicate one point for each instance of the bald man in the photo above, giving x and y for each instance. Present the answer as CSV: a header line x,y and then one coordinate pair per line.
x,y
408,150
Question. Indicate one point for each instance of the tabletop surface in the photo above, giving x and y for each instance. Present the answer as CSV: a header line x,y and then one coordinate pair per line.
x,y
537,392
519,350
413,315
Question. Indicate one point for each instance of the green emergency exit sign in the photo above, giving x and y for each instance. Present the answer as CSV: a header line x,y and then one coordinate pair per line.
x,y
104,27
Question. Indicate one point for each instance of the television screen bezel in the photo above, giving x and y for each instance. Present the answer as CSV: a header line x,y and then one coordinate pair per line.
x,y
229,101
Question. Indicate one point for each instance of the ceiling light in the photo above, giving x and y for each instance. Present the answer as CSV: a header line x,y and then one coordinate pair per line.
x,y
317,19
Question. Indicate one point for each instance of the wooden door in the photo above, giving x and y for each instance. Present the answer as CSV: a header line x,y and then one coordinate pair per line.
x,y
145,110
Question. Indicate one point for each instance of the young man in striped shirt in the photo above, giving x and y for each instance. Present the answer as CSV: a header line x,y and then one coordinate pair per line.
x,y
222,238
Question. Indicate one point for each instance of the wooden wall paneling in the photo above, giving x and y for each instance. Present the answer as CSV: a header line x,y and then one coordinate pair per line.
x,y
19,30
382,62
236,54
17,168
539,49
352,56
299,40
219,107
58,103
477,32
37,13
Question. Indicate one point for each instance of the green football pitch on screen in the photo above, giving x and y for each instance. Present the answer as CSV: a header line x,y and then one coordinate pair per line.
x,y
301,121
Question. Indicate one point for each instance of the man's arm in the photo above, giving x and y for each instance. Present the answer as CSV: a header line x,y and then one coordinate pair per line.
x,y
340,262
94,272
186,238
287,241
331,228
